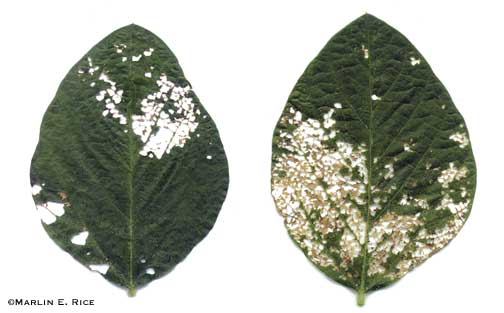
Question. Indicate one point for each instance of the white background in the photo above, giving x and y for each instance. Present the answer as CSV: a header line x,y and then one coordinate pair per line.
x,y
243,59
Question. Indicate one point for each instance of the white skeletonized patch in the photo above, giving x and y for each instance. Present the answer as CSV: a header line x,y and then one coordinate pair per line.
x,y
426,243
375,206
297,190
100,268
36,189
396,228
328,121
91,68
407,200
161,131
451,174
414,61
320,191
375,97
56,208
80,238
148,52
390,170
365,51
120,48
460,138
150,271
111,96
50,211
47,217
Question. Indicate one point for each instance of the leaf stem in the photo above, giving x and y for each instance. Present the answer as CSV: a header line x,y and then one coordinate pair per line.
x,y
361,295
131,291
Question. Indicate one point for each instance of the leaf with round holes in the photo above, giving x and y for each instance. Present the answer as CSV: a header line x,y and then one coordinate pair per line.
x,y
372,168
129,173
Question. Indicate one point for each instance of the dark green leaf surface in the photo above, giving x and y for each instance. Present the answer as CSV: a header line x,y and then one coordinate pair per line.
x,y
372,168
129,173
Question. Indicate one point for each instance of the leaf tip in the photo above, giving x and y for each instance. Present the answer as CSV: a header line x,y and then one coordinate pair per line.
x,y
134,27
367,15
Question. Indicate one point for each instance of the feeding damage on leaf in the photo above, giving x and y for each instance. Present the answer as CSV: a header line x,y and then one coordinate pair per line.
x,y
159,129
129,173
372,168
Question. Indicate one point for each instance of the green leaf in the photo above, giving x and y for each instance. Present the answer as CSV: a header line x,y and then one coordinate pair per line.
x,y
372,167
129,173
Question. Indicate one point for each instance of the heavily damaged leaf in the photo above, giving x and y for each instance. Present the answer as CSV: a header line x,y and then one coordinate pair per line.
x,y
372,166
129,173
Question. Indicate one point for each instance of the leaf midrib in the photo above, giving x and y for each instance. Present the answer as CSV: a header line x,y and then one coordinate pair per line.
x,y
364,269
131,161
